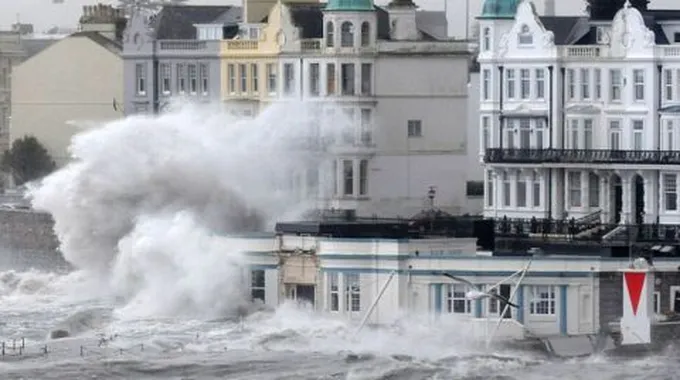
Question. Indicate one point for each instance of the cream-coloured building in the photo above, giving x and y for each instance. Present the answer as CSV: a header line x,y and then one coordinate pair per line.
x,y
69,85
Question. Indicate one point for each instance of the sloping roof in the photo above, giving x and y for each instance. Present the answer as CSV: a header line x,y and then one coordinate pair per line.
x,y
433,23
176,22
108,44
566,29
33,46
308,17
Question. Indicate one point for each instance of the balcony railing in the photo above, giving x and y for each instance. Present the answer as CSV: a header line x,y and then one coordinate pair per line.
x,y
579,230
311,44
242,44
580,156
183,45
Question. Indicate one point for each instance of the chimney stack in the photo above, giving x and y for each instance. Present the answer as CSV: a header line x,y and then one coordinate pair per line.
x,y
103,19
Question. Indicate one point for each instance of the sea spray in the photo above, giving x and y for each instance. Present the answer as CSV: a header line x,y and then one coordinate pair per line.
x,y
145,199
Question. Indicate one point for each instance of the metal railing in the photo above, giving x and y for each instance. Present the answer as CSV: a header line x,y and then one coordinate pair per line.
x,y
588,229
577,156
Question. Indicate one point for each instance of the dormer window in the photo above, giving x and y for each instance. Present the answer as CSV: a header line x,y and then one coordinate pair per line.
x,y
209,32
347,34
601,35
486,39
330,35
365,34
525,37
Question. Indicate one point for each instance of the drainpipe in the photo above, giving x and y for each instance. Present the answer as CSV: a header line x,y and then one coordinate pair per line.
x,y
500,109
302,80
563,102
562,144
551,98
155,91
658,141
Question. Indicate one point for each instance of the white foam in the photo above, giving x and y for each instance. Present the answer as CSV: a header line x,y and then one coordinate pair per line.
x,y
145,200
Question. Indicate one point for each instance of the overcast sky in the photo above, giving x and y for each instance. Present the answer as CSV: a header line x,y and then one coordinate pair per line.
x,y
44,14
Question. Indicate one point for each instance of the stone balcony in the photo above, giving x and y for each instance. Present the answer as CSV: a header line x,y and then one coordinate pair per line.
x,y
590,52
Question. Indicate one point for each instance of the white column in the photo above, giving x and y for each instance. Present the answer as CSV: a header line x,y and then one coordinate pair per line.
x,y
605,197
495,193
651,203
626,198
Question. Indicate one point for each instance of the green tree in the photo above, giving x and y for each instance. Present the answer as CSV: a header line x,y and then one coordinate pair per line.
x,y
606,9
27,160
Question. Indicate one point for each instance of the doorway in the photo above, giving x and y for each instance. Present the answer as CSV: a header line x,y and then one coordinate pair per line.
x,y
504,290
675,299
639,208
301,293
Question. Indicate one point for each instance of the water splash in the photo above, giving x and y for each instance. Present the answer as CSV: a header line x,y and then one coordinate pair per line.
x,y
145,200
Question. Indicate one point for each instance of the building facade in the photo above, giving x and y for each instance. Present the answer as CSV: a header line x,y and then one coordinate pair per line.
x,y
579,117
345,276
11,54
70,84
384,76
170,55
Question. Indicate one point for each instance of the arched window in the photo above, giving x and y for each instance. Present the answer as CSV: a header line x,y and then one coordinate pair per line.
x,y
525,37
365,34
486,39
330,34
347,34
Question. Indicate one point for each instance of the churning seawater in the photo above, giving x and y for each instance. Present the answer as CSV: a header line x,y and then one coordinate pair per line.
x,y
142,213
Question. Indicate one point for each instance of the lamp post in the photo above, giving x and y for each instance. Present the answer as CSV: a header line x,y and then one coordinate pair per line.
x,y
430,195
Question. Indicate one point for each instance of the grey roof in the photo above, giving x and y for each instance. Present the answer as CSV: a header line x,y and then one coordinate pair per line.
x,y
309,18
108,44
570,30
433,23
567,29
33,46
176,22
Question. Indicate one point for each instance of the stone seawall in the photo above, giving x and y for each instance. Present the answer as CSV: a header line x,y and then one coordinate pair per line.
x,y
22,230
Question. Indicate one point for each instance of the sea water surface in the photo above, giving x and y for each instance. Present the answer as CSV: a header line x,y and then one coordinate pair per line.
x,y
154,290
291,342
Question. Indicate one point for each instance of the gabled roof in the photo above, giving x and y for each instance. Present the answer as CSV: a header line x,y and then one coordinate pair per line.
x,y
108,44
176,22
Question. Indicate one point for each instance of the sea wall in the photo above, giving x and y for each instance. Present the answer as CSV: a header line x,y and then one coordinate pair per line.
x,y
22,230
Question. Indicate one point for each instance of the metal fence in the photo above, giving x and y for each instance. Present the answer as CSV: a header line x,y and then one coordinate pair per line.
x,y
98,348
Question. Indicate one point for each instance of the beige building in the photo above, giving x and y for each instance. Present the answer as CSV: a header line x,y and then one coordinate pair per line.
x,y
11,55
70,85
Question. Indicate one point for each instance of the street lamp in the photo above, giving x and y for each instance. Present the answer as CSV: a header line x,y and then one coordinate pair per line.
x,y
430,195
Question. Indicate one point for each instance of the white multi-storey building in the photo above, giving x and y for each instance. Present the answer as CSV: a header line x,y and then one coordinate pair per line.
x,y
580,118
388,73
